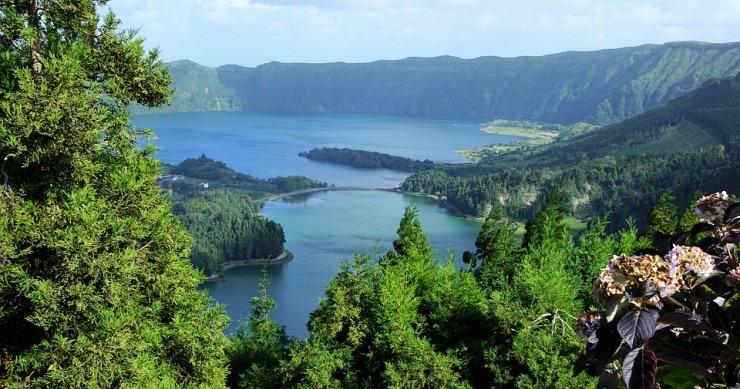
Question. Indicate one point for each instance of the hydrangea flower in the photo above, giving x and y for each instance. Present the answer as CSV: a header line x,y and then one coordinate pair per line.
x,y
692,259
629,274
711,208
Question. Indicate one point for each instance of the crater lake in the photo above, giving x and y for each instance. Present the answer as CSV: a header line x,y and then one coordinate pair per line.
x,y
325,228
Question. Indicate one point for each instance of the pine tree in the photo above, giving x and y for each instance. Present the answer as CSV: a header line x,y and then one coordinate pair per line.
x,y
662,216
95,284
259,345
493,260
412,240
554,211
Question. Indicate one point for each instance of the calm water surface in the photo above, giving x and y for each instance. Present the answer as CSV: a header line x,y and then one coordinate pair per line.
x,y
325,228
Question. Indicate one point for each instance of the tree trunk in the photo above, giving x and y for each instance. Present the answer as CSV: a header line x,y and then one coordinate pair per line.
x,y
34,24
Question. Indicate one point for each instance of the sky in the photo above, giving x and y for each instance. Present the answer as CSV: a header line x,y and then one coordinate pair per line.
x,y
253,32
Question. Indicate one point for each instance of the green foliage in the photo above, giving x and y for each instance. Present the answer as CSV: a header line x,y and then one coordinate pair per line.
x,y
550,217
405,319
662,216
495,245
367,159
227,226
412,241
95,286
258,346
409,322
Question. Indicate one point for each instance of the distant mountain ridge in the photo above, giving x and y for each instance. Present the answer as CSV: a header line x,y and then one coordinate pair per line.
x,y
690,144
599,87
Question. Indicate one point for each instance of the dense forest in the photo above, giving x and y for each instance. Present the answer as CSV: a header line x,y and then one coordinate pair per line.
x,y
223,217
362,159
690,144
227,226
599,87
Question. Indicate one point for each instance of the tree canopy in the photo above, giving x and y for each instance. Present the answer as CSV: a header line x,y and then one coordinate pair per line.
x,y
95,284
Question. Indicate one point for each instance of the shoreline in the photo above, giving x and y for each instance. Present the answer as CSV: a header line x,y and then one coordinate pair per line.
x,y
285,257
451,209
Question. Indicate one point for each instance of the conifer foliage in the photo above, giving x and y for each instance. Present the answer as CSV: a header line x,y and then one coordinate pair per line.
x,y
95,284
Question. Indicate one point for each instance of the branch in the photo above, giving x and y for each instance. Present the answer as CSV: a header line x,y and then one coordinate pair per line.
x,y
5,175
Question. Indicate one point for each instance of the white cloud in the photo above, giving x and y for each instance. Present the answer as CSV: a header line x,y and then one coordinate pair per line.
x,y
250,32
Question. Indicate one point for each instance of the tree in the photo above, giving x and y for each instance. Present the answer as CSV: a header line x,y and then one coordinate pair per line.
x,y
662,216
258,346
493,260
407,322
554,211
95,284
412,241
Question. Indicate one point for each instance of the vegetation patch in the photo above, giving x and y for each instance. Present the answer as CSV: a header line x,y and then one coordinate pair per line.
x,y
362,159
531,134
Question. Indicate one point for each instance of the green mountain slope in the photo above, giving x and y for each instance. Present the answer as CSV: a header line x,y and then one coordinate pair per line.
x,y
706,117
690,144
598,86
197,88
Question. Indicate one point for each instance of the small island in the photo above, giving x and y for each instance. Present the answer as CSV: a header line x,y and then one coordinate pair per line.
x,y
363,159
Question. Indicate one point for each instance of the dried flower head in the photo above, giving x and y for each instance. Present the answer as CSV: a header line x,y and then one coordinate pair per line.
x,y
634,275
691,259
711,208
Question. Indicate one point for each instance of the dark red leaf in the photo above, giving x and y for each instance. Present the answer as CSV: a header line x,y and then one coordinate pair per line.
x,y
732,212
680,238
637,326
640,367
685,320
731,237
608,379
718,317
701,227
697,365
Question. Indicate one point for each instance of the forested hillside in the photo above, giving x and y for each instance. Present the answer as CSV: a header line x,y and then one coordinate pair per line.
x,y
690,144
220,209
599,86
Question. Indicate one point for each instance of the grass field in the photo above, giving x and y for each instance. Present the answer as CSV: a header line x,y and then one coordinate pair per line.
x,y
532,136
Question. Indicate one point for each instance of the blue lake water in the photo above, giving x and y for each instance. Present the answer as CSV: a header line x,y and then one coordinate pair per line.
x,y
322,229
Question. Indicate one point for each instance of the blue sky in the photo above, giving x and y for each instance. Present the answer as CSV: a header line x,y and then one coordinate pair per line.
x,y
253,32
